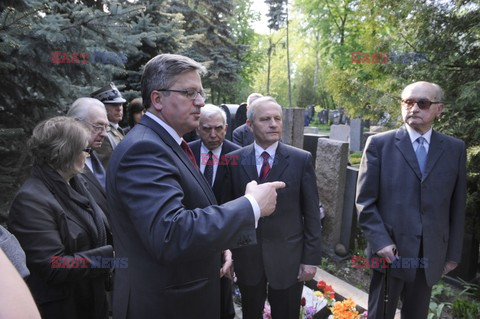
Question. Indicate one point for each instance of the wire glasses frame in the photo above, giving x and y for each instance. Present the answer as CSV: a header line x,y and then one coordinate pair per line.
x,y
190,94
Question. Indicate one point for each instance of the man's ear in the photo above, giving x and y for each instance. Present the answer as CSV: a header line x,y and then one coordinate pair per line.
x,y
156,100
439,110
249,123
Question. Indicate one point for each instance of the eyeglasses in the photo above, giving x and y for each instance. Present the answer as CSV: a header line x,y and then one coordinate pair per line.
x,y
97,128
88,150
190,94
423,104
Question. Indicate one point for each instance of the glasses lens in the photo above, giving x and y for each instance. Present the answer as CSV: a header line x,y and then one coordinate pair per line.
x,y
424,104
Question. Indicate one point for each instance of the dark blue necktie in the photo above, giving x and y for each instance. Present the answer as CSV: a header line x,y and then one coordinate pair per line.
x,y
421,153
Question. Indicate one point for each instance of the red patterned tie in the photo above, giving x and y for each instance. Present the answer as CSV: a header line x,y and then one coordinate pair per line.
x,y
265,167
189,152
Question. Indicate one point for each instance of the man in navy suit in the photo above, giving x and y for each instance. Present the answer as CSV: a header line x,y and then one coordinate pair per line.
x,y
288,242
164,215
210,153
411,199
243,135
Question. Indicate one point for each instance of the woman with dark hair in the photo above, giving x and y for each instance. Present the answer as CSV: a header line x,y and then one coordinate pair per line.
x,y
135,113
60,227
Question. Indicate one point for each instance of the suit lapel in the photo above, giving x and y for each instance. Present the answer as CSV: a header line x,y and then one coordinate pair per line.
x,y
168,139
404,145
435,151
92,179
280,163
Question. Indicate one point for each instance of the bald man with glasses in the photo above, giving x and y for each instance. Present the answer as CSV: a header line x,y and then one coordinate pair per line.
x,y
411,193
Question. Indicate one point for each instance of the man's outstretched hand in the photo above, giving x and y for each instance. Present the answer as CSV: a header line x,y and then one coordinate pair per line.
x,y
265,194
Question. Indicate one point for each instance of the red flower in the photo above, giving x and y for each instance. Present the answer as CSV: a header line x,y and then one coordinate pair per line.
x,y
303,302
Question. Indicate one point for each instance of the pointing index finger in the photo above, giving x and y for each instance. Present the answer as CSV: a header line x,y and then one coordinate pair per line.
x,y
278,185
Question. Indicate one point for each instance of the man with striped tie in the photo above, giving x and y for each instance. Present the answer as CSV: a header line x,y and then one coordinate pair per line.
x,y
411,194
288,241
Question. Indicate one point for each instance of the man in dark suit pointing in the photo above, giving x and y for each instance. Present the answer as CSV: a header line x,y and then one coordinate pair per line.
x,y
164,214
288,241
411,199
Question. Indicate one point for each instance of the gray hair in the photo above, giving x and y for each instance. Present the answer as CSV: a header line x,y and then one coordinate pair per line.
x,y
82,106
161,72
210,110
258,101
58,142
252,97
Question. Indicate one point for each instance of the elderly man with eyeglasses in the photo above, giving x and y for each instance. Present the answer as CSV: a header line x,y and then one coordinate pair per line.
x,y
411,203
92,114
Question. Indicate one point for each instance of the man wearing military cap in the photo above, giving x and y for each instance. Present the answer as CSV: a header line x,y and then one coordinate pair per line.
x,y
113,100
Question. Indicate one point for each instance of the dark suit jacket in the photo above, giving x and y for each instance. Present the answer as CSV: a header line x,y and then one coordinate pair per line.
x,y
396,205
99,195
242,135
291,235
95,188
220,178
163,221
45,229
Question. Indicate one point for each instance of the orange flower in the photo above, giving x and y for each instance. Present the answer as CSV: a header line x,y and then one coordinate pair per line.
x,y
345,310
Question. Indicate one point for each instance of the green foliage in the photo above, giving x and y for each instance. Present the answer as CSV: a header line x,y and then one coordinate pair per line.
x,y
465,309
463,304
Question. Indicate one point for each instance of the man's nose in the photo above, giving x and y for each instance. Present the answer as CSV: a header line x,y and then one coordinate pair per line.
x,y
199,101
103,133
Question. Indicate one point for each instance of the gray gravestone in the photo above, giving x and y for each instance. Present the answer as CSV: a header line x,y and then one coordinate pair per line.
x,y
323,117
293,126
310,130
340,132
330,169
356,135
310,144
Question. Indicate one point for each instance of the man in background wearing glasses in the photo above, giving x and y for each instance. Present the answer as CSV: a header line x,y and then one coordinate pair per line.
x,y
91,112
164,214
411,195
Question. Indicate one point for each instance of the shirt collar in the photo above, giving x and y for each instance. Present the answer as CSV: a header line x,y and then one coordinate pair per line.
x,y
270,150
115,125
414,134
167,127
216,151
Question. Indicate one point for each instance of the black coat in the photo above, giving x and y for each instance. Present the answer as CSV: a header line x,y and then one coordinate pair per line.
x,y
45,229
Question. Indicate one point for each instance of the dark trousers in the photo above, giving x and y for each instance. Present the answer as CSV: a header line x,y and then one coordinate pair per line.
x,y
415,296
227,311
284,303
